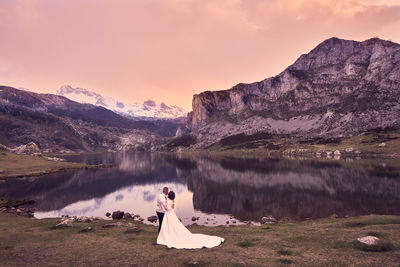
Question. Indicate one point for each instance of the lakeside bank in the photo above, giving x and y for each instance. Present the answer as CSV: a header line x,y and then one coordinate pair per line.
x,y
323,242
21,165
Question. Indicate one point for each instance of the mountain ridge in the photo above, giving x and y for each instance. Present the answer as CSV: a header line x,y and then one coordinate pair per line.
x,y
58,124
340,88
147,110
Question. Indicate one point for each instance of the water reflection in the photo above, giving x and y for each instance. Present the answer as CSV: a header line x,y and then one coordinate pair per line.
x,y
244,188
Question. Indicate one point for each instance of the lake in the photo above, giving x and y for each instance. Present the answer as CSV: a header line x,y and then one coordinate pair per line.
x,y
216,188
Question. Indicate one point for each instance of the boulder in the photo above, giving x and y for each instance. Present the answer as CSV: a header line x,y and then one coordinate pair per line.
x,y
368,240
382,144
152,218
108,214
268,219
117,215
195,218
127,216
349,149
337,153
66,222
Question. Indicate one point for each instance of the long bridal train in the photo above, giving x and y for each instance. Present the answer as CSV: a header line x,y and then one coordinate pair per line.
x,y
174,234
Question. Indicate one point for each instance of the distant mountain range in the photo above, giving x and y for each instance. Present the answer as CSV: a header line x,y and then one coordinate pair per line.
x,y
58,124
341,88
147,110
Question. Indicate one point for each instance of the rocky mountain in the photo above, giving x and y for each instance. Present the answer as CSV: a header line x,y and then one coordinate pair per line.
x,y
340,88
147,110
56,123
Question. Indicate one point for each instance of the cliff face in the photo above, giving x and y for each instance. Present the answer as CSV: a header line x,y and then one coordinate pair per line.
x,y
340,88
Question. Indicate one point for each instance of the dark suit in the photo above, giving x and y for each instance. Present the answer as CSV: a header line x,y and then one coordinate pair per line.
x,y
160,219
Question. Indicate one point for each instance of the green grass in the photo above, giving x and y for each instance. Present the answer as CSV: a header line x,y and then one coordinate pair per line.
x,y
13,165
367,144
285,261
324,242
285,252
245,244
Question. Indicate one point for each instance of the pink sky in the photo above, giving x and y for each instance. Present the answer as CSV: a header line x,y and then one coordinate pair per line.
x,y
168,50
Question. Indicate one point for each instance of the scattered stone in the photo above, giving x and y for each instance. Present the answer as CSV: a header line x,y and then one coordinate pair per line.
x,y
152,218
84,219
55,159
141,219
86,229
337,153
268,220
368,240
127,216
334,216
195,218
117,215
66,222
349,149
136,216
233,221
227,222
29,148
382,144
108,214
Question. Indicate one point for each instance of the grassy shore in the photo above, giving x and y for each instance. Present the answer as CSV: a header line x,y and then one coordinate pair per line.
x,y
373,144
14,165
326,242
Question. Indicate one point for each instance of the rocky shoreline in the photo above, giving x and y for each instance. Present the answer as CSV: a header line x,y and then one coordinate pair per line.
x,y
18,207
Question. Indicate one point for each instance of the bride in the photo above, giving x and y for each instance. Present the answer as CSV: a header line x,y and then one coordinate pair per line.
x,y
174,234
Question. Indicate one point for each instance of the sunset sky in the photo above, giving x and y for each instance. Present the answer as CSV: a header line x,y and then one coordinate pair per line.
x,y
168,50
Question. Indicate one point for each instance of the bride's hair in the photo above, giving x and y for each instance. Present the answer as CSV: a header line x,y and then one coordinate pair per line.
x,y
171,195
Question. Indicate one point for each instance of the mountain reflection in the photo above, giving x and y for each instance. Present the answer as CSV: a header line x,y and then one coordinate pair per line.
x,y
249,188
245,188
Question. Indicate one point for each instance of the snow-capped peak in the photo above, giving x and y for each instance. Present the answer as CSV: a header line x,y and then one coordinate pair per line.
x,y
148,109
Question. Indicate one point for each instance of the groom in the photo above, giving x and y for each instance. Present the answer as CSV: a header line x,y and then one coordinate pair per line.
x,y
161,206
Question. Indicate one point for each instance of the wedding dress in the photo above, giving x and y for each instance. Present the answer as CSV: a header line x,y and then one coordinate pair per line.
x,y
174,234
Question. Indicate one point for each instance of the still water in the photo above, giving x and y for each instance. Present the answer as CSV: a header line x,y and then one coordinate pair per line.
x,y
216,188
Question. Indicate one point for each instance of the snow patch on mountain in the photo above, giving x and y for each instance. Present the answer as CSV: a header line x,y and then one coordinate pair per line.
x,y
148,109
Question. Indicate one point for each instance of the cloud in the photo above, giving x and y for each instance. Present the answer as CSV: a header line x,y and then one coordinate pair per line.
x,y
169,50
